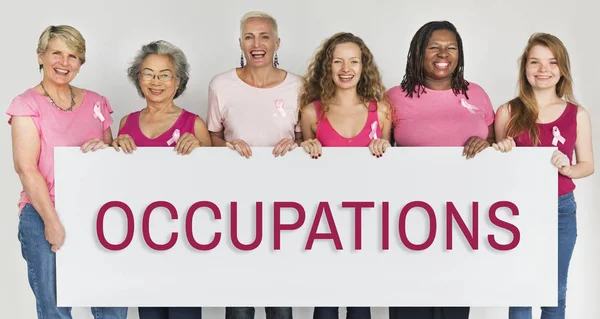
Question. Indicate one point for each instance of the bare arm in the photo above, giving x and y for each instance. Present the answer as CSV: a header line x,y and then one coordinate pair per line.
x,y
308,122
201,133
217,138
584,153
383,115
26,152
502,118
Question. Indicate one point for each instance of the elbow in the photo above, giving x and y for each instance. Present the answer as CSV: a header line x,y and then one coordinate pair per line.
x,y
25,170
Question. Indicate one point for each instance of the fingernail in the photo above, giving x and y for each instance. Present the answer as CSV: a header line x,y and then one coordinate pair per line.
x,y
319,155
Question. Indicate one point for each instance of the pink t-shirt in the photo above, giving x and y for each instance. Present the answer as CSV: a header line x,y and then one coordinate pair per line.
x,y
260,117
440,118
184,124
60,128
328,136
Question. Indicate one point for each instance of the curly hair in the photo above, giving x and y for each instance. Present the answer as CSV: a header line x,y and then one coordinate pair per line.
x,y
318,81
414,78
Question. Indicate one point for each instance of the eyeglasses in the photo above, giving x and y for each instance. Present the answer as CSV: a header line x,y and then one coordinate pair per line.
x,y
164,77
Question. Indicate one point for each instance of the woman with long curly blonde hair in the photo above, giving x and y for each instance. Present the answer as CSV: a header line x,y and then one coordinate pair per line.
x,y
343,101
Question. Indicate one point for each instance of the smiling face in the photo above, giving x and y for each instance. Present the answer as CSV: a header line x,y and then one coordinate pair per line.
x,y
157,78
542,70
259,42
441,59
346,65
60,63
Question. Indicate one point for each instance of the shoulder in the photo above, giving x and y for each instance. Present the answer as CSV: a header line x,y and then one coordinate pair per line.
x,y
309,109
383,107
27,96
222,78
476,90
396,92
582,113
504,109
293,78
92,96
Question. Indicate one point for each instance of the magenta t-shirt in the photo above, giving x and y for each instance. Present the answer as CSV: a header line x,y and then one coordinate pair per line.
x,y
60,128
184,124
441,118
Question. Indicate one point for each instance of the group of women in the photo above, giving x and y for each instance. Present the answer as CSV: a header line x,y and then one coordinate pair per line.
x,y
340,102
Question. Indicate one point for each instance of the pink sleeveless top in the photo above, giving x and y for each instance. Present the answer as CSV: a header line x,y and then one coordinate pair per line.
x,y
184,124
328,136
561,133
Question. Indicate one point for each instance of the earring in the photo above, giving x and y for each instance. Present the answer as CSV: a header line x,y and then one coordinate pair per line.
x,y
276,60
242,60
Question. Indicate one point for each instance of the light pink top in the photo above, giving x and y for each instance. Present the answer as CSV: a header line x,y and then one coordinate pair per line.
x,y
440,118
60,128
328,136
260,117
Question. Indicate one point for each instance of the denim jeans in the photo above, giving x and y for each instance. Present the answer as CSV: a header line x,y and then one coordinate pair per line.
x,y
248,312
567,236
170,312
429,312
41,271
351,313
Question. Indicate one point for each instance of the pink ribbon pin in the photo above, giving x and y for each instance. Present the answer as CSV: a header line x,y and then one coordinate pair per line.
x,y
175,138
279,108
472,108
557,136
97,113
373,134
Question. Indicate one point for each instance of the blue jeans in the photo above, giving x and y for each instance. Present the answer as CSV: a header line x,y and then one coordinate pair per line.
x,y
429,312
567,236
170,312
351,313
248,312
41,270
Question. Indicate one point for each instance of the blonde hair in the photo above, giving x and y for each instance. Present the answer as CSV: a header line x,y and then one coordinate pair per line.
x,y
69,35
524,108
260,15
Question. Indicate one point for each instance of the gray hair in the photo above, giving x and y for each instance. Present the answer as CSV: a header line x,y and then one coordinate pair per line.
x,y
260,15
182,68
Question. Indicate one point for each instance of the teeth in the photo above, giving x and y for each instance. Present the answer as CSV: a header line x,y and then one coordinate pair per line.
x,y
258,52
345,77
441,64
61,71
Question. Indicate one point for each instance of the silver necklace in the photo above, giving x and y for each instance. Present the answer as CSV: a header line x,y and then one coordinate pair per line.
x,y
54,103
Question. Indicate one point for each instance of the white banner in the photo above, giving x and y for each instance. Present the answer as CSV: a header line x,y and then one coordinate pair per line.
x,y
418,226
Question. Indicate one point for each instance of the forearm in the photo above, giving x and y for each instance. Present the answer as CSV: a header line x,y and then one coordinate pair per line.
x,y
581,170
217,140
36,189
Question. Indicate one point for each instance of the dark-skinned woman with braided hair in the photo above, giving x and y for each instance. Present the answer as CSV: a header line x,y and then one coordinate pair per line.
x,y
436,106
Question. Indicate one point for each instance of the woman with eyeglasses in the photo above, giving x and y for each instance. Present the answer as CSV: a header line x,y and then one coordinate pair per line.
x,y
160,73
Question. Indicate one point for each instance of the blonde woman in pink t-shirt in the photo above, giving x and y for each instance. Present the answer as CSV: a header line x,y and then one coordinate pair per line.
x,y
255,105
436,106
53,113
343,101
344,105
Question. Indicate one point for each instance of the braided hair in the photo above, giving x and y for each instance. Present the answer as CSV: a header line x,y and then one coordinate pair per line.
x,y
414,78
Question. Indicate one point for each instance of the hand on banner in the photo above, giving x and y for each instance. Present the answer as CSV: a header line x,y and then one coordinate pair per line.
x,y
186,144
474,145
242,147
312,147
378,147
55,234
93,145
561,161
506,145
284,146
125,142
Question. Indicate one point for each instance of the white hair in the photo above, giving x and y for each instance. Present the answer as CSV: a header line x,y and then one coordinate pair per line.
x,y
257,14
